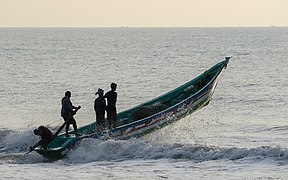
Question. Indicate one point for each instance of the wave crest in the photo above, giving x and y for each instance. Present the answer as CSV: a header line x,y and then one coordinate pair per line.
x,y
94,150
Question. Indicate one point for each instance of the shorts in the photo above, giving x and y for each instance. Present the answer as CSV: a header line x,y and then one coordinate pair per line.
x,y
69,120
111,115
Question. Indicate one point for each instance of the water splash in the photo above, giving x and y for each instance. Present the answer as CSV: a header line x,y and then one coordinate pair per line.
x,y
94,150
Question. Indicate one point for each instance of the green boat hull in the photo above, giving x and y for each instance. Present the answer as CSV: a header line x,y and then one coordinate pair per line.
x,y
149,116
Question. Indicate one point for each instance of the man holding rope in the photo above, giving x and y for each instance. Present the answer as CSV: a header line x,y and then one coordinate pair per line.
x,y
68,111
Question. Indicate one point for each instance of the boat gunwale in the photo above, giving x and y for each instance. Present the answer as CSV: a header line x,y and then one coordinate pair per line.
x,y
183,100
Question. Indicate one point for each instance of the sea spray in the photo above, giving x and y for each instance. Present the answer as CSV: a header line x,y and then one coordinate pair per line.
x,y
94,150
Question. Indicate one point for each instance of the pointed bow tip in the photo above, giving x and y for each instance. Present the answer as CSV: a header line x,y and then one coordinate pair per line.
x,y
228,57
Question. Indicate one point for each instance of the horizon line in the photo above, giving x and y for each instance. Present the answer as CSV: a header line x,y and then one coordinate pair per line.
x,y
271,26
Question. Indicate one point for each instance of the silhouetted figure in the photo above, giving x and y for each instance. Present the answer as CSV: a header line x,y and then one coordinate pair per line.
x,y
111,106
68,111
100,107
46,137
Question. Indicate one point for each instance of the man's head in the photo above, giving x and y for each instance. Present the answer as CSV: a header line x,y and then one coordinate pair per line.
x,y
113,86
68,93
36,132
39,130
100,92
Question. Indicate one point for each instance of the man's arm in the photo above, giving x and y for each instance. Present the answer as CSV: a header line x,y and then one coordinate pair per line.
x,y
37,144
72,108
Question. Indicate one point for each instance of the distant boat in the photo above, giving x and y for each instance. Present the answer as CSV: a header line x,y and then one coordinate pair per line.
x,y
149,116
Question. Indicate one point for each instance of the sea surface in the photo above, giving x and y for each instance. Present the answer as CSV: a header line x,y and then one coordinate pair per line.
x,y
241,134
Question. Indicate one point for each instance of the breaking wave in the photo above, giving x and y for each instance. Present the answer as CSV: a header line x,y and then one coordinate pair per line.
x,y
93,150
14,144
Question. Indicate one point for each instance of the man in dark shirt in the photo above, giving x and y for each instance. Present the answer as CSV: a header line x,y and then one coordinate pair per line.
x,y
68,111
46,136
111,107
100,107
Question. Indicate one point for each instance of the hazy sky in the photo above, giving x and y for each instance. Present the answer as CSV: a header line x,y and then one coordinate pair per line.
x,y
142,13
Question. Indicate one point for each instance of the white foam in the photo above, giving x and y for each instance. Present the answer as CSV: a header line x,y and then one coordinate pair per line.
x,y
94,150
18,141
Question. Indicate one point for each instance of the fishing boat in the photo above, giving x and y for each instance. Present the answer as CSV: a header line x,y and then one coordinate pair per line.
x,y
148,116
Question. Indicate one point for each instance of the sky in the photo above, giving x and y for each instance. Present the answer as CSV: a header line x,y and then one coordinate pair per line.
x,y
143,13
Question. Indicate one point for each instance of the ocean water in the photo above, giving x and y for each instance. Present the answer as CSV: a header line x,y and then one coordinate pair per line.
x,y
241,134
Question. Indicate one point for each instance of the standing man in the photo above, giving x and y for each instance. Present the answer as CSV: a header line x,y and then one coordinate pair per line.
x,y
68,111
100,107
111,107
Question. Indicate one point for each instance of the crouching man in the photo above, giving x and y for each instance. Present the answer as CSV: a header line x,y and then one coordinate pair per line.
x,y
46,137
